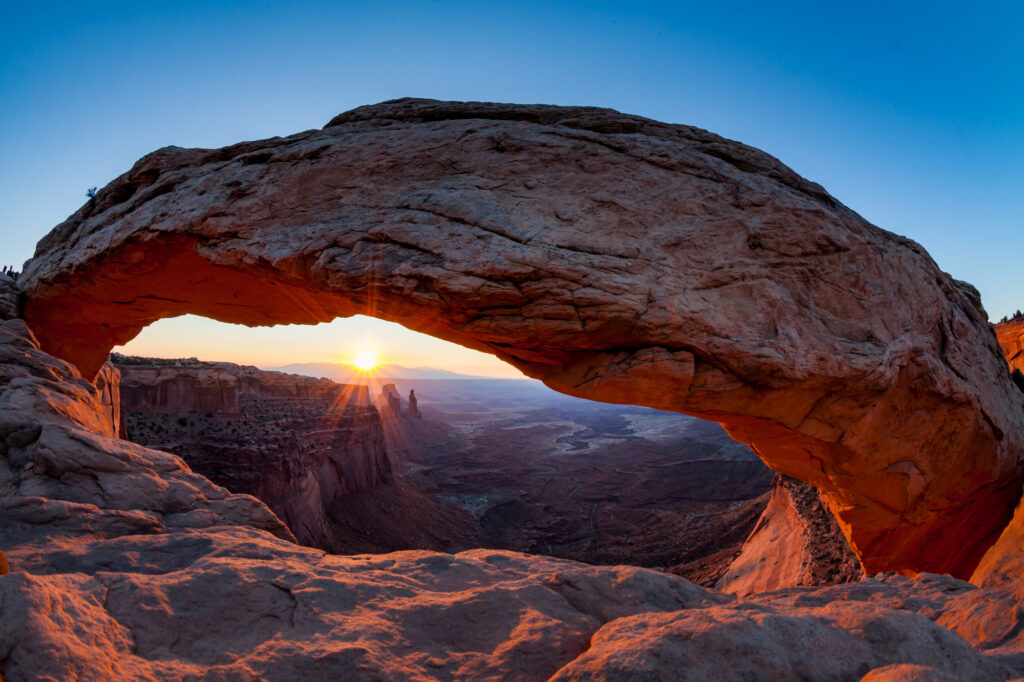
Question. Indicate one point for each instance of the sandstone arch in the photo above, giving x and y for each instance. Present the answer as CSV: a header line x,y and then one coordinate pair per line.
x,y
614,257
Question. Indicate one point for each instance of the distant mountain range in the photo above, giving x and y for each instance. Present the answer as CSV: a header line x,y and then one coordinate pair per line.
x,y
344,373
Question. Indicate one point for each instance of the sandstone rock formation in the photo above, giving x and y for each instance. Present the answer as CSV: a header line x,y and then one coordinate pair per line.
x,y
1011,339
126,565
389,403
108,382
413,410
1003,564
614,257
796,542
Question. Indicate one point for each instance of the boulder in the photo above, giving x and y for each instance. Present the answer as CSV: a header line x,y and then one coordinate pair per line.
x,y
616,258
738,642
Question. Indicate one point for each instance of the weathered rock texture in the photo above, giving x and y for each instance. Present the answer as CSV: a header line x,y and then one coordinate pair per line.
x,y
1011,339
795,542
126,565
64,475
614,257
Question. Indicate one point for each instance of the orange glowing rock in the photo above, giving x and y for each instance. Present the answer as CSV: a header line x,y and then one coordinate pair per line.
x,y
1011,339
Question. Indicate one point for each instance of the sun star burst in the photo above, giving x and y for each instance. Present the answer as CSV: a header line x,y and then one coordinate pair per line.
x,y
365,361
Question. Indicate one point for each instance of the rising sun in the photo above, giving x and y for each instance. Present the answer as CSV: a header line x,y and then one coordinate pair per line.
x,y
365,361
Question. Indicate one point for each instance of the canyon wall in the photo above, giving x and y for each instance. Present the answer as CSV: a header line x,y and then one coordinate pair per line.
x,y
1003,564
614,257
1011,339
297,443
313,450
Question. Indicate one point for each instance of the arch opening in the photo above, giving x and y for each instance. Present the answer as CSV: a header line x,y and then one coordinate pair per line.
x,y
467,461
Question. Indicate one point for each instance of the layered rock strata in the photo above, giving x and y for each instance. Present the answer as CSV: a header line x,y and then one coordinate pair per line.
x,y
313,450
126,565
614,257
298,444
389,403
795,542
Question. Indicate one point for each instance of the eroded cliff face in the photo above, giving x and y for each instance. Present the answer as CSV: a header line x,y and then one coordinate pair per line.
x,y
614,257
1003,564
65,476
299,444
1011,339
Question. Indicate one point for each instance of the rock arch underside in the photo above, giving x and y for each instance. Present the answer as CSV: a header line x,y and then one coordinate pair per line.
x,y
614,257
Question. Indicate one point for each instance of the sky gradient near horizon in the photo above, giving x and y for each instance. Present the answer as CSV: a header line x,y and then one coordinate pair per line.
x,y
912,114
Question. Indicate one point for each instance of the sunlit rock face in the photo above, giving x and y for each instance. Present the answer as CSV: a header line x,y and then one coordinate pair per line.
x,y
614,257
1003,564
1011,339
389,403
795,542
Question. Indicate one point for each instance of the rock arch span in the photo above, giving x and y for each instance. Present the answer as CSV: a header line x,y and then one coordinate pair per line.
x,y
614,257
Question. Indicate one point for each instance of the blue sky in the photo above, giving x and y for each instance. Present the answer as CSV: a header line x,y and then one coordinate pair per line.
x,y
911,113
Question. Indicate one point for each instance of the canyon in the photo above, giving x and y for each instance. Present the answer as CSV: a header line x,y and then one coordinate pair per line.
x,y
311,449
497,464
614,258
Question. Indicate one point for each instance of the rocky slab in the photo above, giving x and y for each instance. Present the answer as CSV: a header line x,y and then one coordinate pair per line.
x,y
796,542
1011,339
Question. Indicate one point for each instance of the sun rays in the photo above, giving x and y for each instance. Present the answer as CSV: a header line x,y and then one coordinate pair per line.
x,y
365,361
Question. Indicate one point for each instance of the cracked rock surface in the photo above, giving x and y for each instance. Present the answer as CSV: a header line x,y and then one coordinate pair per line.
x,y
614,257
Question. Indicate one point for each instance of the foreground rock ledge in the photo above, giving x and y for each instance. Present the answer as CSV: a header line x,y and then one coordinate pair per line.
x,y
614,257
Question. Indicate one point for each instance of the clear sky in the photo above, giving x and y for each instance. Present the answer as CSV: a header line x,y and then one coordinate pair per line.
x,y
911,113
